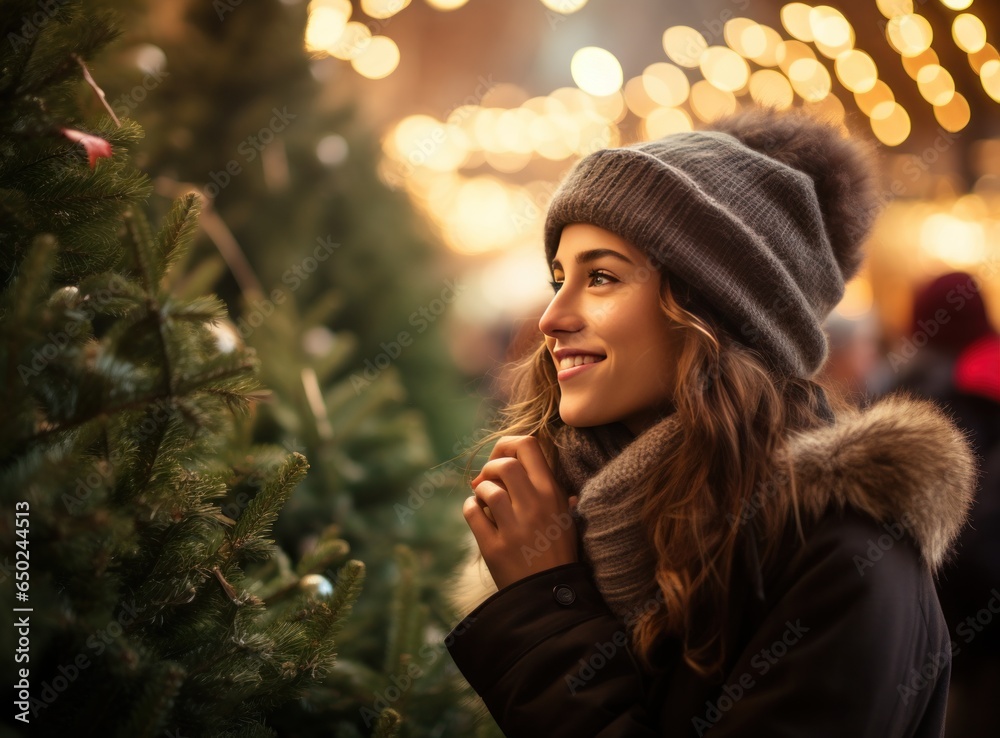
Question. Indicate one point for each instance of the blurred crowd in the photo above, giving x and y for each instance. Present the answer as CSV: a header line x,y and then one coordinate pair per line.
x,y
952,356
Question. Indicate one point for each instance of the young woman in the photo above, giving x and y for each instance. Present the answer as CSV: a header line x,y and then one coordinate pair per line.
x,y
681,529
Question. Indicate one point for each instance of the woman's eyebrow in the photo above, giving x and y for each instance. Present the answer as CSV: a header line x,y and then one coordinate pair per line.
x,y
592,254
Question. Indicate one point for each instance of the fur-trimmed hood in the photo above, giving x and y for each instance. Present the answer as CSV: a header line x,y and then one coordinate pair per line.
x,y
902,458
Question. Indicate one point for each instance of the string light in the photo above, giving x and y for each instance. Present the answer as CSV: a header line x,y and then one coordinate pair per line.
x,y
969,33
909,34
684,45
379,58
724,68
596,70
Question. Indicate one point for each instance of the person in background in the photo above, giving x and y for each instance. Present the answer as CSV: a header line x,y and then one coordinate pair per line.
x,y
957,364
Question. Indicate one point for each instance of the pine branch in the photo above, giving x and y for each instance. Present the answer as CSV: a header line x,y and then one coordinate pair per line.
x,y
403,610
322,556
178,232
262,510
143,249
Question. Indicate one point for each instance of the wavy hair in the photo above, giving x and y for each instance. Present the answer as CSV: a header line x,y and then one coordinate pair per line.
x,y
734,412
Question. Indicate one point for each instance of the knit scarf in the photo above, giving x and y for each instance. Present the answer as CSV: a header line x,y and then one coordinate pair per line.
x,y
604,465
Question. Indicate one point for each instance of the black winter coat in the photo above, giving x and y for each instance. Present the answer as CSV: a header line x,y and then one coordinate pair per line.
x,y
849,639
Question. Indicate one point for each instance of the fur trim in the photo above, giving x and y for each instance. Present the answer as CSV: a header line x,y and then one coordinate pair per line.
x,y
902,458
472,585
841,168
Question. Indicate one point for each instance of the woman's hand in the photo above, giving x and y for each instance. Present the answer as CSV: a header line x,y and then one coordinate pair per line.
x,y
519,514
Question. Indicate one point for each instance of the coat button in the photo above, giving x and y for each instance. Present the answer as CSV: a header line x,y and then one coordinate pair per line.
x,y
564,594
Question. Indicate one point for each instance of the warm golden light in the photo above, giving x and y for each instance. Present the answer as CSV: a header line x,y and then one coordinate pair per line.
x,y
935,84
795,19
955,114
891,8
637,99
771,88
666,84
879,93
831,31
724,68
379,59
709,102
768,57
446,4
326,24
383,8
956,4
684,45
913,64
909,34
791,51
856,70
989,75
564,6
809,79
958,242
982,56
745,37
969,33
664,121
596,70
352,42
890,123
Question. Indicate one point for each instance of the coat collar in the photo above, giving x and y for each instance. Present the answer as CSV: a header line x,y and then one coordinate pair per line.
x,y
901,459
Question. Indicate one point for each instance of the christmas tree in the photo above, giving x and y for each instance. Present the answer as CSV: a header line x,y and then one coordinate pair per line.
x,y
125,402
159,392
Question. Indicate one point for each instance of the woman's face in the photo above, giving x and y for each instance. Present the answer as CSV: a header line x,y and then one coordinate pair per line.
x,y
606,312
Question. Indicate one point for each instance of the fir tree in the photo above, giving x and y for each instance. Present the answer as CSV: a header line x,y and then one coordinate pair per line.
x,y
127,402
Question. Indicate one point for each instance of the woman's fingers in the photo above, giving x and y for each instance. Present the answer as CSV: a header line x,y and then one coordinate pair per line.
x,y
494,496
528,452
512,476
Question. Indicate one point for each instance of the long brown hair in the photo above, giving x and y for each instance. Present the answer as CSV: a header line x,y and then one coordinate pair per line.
x,y
734,412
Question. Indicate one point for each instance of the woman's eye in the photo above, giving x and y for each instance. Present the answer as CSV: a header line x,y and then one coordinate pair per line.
x,y
555,285
595,275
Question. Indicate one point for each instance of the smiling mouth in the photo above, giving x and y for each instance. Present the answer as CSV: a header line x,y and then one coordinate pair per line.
x,y
573,365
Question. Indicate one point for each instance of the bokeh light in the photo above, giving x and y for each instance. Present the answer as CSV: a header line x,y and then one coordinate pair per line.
x,y
890,123
596,70
856,70
379,58
564,6
936,84
724,68
770,87
909,34
969,32
666,84
795,19
684,45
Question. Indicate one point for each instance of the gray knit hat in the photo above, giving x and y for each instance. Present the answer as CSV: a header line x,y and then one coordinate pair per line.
x,y
762,215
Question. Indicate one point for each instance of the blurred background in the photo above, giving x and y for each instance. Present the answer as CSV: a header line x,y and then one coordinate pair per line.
x,y
377,175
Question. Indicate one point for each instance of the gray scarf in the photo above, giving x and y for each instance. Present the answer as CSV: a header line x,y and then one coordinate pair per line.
x,y
603,465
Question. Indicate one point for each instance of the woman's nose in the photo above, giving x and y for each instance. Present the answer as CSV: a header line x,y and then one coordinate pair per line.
x,y
560,315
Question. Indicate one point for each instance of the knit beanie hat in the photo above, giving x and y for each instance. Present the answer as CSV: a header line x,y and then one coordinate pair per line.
x,y
761,215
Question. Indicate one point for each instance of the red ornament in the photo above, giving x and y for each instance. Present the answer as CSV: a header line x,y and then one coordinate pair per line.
x,y
95,145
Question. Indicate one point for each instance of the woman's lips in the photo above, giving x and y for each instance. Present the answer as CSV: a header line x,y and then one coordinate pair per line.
x,y
574,370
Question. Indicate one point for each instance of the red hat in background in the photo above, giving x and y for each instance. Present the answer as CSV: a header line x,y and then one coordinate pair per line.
x,y
958,295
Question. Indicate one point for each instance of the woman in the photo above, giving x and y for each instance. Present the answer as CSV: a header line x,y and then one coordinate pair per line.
x,y
679,533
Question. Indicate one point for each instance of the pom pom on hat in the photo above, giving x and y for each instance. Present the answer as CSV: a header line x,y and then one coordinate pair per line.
x,y
841,168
